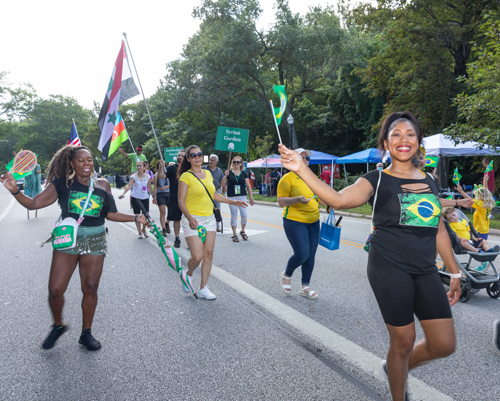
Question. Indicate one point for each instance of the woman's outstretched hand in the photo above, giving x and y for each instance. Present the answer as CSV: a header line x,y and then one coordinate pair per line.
x,y
290,159
9,181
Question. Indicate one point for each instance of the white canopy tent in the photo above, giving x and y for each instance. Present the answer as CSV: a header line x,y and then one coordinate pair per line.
x,y
439,145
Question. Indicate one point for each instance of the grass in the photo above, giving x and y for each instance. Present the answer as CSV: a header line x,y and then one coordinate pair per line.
x,y
367,210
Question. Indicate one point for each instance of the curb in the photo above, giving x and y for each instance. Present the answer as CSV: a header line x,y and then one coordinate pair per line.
x,y
493,231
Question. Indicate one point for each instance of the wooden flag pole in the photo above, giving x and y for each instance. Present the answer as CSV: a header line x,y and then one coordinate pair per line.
x,y
144,97
229,161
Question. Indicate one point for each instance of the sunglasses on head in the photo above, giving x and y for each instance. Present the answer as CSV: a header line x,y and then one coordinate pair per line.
x,y
194,155
306,158
236,162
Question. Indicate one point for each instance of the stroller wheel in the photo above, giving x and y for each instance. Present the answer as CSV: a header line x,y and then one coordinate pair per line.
x,y
465,296
493,290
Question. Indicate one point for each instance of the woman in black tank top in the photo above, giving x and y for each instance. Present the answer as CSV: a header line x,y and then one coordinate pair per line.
x,y
401,264
69,174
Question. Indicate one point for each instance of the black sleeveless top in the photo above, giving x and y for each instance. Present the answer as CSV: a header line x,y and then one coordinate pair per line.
x,y
72,199
406,221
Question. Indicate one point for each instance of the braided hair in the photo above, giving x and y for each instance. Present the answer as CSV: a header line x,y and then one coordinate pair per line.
x,y
60,165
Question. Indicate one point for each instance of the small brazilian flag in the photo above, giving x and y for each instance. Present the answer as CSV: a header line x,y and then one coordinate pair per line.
x,y
450,197
431,161
280,111
490,167
422,210
456,177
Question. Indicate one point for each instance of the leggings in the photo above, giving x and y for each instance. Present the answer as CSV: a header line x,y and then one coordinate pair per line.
x,y
304,239
400,295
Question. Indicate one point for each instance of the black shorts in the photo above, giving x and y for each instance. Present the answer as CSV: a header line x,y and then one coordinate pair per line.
x,y
174,212
135,206
162,198
400,295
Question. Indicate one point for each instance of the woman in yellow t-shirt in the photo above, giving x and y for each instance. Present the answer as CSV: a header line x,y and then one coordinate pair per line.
x,y
483,203
197,209
301,225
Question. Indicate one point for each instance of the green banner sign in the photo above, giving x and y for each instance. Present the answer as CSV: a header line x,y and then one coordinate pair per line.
x,y
171,154
232,139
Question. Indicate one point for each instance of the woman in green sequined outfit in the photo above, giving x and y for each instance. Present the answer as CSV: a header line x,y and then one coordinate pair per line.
x,y
69,175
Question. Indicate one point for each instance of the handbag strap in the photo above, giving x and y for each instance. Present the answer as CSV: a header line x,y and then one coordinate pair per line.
x,y
91,189
203,187
331,216
375,199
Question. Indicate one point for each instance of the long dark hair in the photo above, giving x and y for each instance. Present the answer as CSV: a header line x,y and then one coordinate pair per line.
x,y
391,120
60,165
185,164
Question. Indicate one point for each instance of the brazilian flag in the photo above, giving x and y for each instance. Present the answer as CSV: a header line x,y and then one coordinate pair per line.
x,y
77,201
431,161
456,177
422,210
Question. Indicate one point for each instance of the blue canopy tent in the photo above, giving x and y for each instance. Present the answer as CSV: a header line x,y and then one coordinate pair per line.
x,y
318,157
372,155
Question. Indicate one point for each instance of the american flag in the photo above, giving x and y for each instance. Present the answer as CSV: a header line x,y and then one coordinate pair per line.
x,y
74,139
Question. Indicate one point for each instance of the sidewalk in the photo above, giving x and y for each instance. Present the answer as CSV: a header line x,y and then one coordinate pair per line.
x,y
493,231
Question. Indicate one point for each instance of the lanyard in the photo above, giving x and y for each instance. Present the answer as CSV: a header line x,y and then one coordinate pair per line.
x,y
237,177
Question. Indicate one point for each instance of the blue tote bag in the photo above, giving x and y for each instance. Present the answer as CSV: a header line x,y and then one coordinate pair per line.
x,y
329,236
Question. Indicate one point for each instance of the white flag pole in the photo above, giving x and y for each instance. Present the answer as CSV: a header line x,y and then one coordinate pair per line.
x,y
275,122
144,97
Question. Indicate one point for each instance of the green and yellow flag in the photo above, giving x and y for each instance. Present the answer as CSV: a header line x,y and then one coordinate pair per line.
x,y
449,197
490,167
280,111
17,176
431,161
456,177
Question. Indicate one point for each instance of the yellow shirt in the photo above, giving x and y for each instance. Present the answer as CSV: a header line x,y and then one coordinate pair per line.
x,y
481,220
291,185
197,200
461,228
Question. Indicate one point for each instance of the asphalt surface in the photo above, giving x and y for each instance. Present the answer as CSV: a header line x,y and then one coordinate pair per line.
x,y
252,342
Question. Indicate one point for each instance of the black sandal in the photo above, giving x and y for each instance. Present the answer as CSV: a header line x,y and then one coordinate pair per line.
x,y
235,239
243,235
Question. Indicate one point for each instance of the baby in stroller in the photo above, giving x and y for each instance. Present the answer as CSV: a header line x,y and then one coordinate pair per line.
x,y
467,237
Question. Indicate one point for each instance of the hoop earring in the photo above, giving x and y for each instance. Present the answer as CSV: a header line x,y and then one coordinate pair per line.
x,y
414,161
71,175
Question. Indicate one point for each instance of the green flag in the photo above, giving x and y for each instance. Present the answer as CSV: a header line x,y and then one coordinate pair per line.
x,y
431,161
450,197
280,111
17,176
456,176
119,134
489,168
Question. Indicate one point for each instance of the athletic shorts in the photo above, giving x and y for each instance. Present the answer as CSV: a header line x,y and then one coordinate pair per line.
x,y
162,198
206,221
174,212
135,206
476,244
400,295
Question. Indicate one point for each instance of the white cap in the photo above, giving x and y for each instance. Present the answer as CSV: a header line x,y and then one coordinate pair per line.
x,y
300,150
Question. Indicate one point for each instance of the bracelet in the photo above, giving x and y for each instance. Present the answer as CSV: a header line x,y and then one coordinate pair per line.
x,y
456,275
136,218
15,193
456,203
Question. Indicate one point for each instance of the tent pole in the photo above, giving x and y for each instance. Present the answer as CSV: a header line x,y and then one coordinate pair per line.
x,y
345,173
331,176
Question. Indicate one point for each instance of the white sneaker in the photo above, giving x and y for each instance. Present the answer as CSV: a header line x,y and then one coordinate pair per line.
x,y
205,293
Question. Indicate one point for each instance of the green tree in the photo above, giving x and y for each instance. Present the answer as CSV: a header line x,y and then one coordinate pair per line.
x,y
478,109
426,48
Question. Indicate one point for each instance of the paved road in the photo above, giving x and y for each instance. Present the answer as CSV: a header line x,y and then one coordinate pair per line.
x,y
253,342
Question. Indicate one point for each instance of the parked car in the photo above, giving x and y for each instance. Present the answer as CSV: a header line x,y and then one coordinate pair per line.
x,y
20,184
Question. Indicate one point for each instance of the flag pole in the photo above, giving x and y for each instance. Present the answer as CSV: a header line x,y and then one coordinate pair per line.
x,y
144,97
275,122
130,140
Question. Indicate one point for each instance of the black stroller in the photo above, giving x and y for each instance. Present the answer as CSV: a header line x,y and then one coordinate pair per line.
x,y
472,281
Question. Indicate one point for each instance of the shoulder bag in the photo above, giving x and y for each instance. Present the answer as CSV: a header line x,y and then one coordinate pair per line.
x,y
65,231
